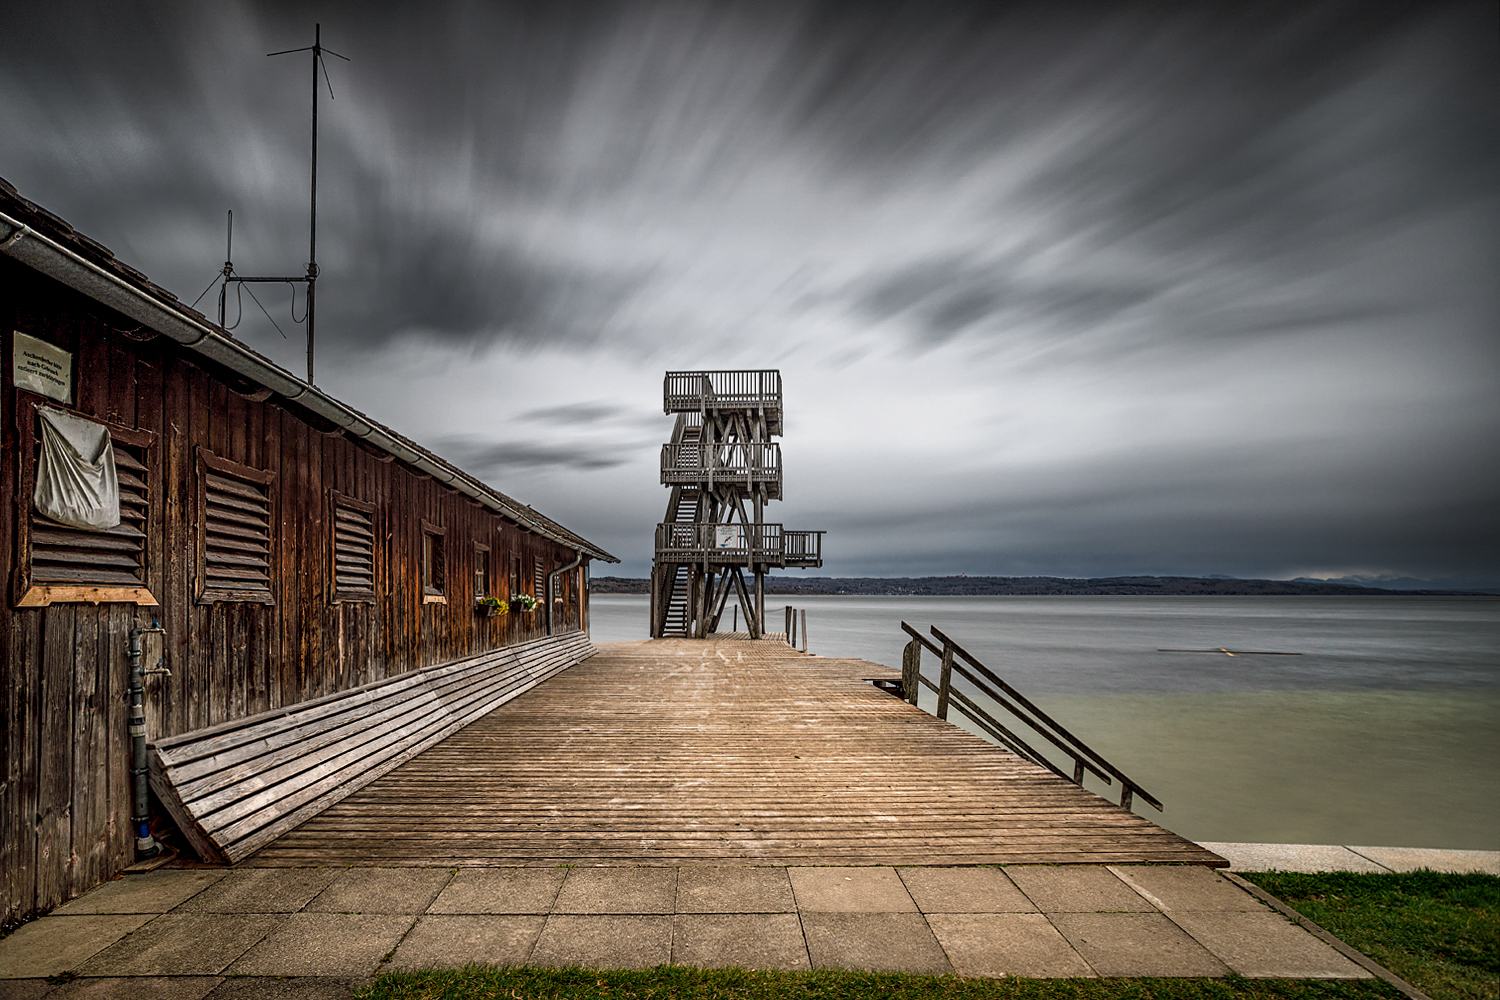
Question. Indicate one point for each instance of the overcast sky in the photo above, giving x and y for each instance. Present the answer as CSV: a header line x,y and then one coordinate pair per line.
x,y
1054,289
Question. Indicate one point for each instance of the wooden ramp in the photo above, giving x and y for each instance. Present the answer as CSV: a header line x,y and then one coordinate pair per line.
x,y
680,752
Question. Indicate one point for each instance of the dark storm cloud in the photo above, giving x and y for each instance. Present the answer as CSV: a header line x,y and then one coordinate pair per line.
x,y
498,457
949,296
1054,231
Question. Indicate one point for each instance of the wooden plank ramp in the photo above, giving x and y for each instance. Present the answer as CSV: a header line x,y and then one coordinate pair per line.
x,y
720,751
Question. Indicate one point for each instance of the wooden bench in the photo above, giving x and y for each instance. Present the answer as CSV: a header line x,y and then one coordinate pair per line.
x,y
235,787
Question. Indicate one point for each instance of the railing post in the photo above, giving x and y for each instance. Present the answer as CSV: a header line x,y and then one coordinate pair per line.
x,y
1127,795
945,680
1078,771
911,670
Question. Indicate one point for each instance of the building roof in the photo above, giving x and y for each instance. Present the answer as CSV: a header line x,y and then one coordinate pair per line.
x,y
48,244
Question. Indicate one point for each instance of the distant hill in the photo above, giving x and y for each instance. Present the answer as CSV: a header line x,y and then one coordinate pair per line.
x,y
951,586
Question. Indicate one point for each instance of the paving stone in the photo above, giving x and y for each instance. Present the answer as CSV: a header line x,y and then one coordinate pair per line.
x,y
604,941
734,890
151,892
1005,944
1266,944
1186,887
381,890
1136,944
1076,889
1292,858
325,944
276,988
137,988
1408,859
618,890
262,890
850,890
183,944
500,890
53,944
964,890
444,941
880,942
745,940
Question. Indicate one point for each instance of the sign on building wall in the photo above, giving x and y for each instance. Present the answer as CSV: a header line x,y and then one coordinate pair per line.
x,y
43,368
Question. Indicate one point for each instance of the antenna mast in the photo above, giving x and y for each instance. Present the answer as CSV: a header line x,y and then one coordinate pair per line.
x,y
311,278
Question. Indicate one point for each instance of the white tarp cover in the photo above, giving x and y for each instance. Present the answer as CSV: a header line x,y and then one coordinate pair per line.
x,y
76,482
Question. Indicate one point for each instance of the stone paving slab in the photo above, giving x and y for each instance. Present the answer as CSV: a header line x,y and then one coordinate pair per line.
x,y
449,941
1006,944
500,890
734,890
878,942
1183,888
1339,858
152,892
605,941
1136,944
1266,944
183,944
746,940
53,945
618,890
321,927
850,890
137,988
324,944
964,890
259,890
1406,859
1076,889
381,890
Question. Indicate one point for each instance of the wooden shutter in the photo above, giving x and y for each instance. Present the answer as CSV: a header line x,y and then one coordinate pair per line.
x,y
539,581
353,549
59,563
108,557
234,531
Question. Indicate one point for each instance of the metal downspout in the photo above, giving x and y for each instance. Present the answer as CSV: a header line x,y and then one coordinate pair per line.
x,y
140,816
552,583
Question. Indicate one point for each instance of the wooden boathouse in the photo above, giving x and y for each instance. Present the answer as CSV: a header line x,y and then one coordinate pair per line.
x,y
312,572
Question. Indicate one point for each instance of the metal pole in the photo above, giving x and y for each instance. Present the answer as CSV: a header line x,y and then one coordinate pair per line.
x,y
312,244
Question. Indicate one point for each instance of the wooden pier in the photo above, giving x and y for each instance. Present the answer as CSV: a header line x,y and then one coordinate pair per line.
x,y
721,751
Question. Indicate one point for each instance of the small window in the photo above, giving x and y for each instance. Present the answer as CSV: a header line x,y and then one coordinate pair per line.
x,y
482,572
515,576
353,558
434,567
234,536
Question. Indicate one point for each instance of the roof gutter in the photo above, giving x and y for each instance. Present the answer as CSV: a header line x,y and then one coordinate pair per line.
x,y
43,254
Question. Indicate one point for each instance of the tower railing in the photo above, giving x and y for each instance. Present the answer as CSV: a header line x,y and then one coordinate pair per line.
x,y
720,544
719,390
802,548
751,462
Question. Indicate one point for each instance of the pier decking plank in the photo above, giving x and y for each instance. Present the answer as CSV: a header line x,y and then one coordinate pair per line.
x,y
680,752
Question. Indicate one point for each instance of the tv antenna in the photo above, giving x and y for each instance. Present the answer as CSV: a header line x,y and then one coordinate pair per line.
x,y
311,277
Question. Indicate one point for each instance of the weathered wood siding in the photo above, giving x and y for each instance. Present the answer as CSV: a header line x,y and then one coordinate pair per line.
x,y
64,786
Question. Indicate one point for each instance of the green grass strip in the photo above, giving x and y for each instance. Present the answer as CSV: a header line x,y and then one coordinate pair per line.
x,y
674,982
1439,932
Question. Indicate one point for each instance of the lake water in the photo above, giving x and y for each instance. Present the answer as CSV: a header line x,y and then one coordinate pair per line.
x,y
1385,730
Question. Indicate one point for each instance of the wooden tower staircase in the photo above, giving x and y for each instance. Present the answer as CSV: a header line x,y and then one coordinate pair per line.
x,y
722,469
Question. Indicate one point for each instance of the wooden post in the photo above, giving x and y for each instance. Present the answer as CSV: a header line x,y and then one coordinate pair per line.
x,y
788,624
911,670
803,630
945,681
1127,796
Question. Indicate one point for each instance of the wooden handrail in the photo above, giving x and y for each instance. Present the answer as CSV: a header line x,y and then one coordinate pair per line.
x,y
1083,756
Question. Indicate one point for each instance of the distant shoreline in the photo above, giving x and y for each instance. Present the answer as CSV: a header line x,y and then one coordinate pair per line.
x,y
1046,586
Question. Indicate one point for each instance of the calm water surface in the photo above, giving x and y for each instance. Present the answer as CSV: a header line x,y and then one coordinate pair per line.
x,y
1385,730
